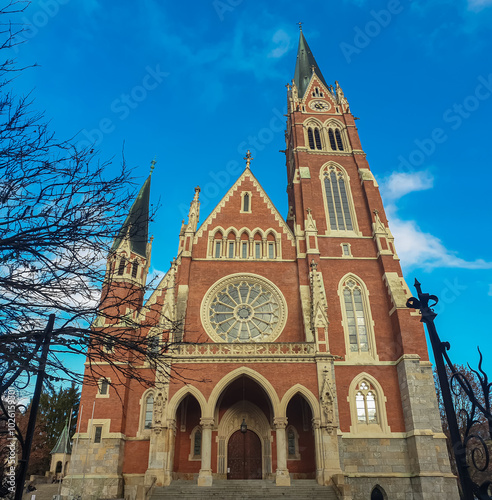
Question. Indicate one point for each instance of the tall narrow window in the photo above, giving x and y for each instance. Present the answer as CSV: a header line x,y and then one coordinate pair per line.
x,y
310,138
231,250
317,138
121,268
134,269
365,403
258,250
218,247
331,136
244,250
97,434
339,140
246,202
197,444
291,442
337,201
356,317
271,250
153,344
149,409
103,387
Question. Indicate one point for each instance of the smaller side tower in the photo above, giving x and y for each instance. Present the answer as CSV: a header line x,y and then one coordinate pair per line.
x,y
98,456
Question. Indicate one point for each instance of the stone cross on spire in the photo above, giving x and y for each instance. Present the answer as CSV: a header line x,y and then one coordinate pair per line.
x,y
152,164
248,158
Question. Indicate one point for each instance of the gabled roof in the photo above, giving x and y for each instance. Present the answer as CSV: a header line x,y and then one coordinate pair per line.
x,y
137,223
273,210
304,67
63,444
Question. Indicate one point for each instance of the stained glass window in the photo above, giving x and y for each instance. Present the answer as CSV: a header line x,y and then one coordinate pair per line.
x,y
356,317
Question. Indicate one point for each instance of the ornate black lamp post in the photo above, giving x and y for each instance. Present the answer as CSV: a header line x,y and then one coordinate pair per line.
x,y
469,490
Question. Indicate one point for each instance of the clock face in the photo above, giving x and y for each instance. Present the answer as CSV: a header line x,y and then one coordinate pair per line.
x,y
318,105
243,308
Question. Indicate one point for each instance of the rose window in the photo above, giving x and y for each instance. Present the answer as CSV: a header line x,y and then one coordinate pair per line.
x,y
244,309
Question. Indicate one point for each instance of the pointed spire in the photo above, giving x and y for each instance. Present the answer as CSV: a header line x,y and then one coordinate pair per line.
x,y
136,225
305,66
194,213
63,443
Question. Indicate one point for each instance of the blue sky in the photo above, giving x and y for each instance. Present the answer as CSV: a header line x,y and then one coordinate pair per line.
x,y
198,83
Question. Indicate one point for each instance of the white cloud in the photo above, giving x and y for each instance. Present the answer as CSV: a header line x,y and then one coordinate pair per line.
x,y
415,247
399,184
283,43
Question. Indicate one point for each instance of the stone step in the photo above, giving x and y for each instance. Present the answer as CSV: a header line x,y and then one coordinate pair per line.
x,y
244,490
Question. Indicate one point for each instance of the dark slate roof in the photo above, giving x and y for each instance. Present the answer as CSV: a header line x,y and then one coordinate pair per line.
x,y
138,222
304,63
63,443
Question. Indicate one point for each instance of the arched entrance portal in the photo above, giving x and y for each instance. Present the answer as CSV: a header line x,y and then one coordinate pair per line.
x,y
244,400
244,456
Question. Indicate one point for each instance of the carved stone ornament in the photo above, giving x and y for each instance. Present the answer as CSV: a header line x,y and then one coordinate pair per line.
x,y
326,399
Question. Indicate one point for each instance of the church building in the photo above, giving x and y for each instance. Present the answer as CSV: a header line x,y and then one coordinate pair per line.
x,y
296,355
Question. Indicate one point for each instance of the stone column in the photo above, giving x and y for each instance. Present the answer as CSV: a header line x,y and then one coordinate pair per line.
x,y
282,477
169,451
205,475
318,447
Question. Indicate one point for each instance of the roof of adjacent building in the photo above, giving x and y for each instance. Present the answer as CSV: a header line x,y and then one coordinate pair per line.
x,y
304,67
63,444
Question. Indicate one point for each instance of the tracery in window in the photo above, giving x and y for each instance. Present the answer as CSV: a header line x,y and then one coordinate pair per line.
x,y
337,200
365,403
335,137
149,409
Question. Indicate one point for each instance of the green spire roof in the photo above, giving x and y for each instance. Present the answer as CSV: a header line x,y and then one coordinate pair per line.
x,y
304,67
63,443
137,222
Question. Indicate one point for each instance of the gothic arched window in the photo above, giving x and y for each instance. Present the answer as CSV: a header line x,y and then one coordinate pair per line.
x,y
121,268
337,200
317,138
365,403
134,269
331,136
356,317
339,140
310,138
149,409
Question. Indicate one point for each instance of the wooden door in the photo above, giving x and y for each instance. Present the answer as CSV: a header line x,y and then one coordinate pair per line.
x,y
244,456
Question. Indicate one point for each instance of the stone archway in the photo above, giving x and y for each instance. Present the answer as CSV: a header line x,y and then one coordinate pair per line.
x,y
257,423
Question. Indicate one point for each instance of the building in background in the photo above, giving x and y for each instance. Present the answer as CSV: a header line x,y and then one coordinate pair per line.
x,y
300,358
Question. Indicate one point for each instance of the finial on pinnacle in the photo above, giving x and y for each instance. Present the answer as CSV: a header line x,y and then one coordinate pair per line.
x,y
248,158
300,25
152,164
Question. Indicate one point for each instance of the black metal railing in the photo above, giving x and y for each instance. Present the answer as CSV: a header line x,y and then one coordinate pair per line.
x,y
471,442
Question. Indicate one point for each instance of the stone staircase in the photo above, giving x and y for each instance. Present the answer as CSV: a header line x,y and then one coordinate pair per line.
x,y
304,489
